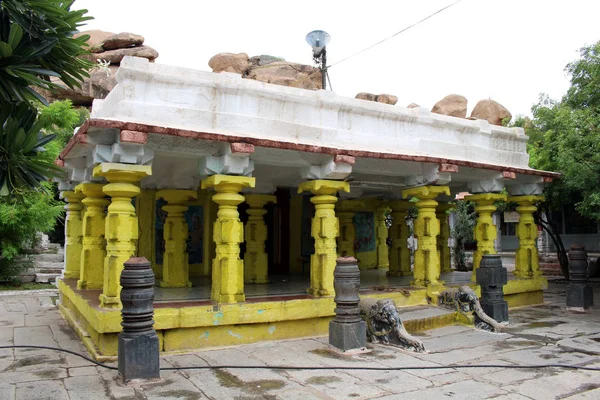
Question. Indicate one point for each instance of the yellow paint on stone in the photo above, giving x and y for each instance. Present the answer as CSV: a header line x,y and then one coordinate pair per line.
x,y
426,229
381,231
228,233
399,252
73,233
442,241
93,244
526,258
324,229
121,229
256,266
485,230
346,210
176,268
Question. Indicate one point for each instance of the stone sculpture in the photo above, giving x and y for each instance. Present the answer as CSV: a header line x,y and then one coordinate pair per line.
x,y
385,326
464,300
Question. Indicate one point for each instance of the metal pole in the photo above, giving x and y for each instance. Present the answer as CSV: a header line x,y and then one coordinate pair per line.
x,y
324,68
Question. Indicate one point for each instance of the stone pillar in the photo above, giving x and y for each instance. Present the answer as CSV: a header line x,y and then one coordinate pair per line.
x,y
73,233
526,257
228,233
121,225
325,230
491,277
94,244
580,295
442,240
399,253
256,265
346,210
383,254
485,230
176,269
426,228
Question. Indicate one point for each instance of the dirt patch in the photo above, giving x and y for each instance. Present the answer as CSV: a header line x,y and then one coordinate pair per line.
x,y
322,380
48,373
332,354
227,379
181,394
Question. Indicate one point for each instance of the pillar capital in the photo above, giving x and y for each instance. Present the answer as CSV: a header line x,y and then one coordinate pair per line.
x,y
443,208
173,196
90,189
260,200
73,199
483,199
351,206
400,206
426,192
526,200
228,183
122,173
324,187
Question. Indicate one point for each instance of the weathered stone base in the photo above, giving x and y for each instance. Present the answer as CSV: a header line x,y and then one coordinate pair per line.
x,y
497,310
580,296
138,357
348,336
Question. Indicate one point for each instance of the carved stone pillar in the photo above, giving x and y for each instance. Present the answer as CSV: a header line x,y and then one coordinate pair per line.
x,y
427,228
325,230
256,266
399,253
94,244
383,254
228,233
485,230
176,268
442,241
345,211
73,233
526,259
121,225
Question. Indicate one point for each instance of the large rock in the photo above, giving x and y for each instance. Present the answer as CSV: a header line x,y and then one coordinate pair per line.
x,y
454,105
413,105
264,59
491,111
366,96
115,56
287,74
122,40
379,98
229,62
96,37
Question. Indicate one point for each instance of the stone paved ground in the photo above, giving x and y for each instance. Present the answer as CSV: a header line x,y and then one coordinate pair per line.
x,y
537,335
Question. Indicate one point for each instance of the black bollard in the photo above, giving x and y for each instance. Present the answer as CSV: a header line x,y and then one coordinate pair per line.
x,y
579,293
492,276
347,331
138,342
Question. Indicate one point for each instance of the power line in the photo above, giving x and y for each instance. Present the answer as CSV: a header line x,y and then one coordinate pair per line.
x,y
396,34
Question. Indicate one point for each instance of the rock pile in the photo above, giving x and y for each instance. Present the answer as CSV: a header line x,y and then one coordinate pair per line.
x,y
106,47
453,105
456,106
268,69
380,98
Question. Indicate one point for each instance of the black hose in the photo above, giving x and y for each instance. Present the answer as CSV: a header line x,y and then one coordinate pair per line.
x,y
291,368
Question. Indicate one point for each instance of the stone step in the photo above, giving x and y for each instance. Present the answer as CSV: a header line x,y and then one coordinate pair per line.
x,y
48,271
48,257
54,246
49,265
47,278
422,318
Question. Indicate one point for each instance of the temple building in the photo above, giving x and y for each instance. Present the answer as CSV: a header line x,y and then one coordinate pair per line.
x,y
242,194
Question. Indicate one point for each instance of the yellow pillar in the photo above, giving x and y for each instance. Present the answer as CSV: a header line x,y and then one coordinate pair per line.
x,y
442,241
94,245
526,258
426,229
399,253
176,269
121,225
228,233
383,255
73,234
256,266
485,230
325,230
345,211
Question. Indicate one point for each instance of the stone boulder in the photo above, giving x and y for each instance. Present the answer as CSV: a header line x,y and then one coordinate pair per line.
x,y
122,40
264,59
115,56
491,111
413,105
453,105
229,62
287,74
96,37
379,98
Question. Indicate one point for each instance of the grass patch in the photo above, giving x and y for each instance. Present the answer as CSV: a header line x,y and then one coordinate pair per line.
x,y
26,286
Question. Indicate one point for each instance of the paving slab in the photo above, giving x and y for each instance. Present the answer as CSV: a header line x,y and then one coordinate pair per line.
x,y
465,390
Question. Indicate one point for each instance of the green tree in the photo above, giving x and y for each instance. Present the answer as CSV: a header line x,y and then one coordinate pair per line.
x,y
36,43
465,219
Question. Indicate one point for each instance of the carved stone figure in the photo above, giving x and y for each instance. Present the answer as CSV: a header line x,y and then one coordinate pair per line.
x,y
464,300
385,326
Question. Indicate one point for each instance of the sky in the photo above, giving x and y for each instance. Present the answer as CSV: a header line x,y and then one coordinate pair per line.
x,y
506,50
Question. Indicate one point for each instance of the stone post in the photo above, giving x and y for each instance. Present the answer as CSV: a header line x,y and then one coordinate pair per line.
x,y
176,268
228,233
580,295
426,228
399,253
492,276
138,349
442,240
256,266
73,233
383,255
94,244
346,210
121,224
347,331
325,230
485,230
526,258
